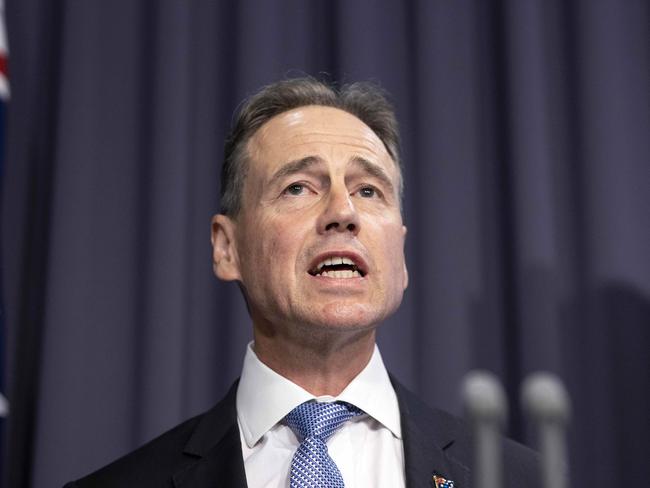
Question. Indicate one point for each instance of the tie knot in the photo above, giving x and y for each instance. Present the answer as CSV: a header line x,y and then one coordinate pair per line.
x,y
320,420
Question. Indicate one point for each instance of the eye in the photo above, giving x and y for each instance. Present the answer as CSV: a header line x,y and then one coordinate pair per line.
x,y
368,192
295,189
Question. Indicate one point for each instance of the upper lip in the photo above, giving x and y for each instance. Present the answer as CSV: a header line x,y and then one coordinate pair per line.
x,y
358,261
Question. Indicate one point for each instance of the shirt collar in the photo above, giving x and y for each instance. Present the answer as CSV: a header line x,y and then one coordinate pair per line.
x,y
264,397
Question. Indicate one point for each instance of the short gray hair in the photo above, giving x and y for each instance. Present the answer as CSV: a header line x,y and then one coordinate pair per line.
x,y
366,101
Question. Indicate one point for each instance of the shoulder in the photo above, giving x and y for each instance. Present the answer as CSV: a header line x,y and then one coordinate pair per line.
x,y
453,436
159,460
153,464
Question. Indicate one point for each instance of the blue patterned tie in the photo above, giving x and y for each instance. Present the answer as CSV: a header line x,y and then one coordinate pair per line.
x,y
314,423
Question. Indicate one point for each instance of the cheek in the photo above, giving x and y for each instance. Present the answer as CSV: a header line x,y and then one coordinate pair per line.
x,y
282,238
272,252
393,252
260,277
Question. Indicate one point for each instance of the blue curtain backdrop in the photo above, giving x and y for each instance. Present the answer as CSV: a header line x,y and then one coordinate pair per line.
x,y
526,130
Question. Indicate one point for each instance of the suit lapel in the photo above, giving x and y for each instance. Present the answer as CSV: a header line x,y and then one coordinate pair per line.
x,y
216,446
427,436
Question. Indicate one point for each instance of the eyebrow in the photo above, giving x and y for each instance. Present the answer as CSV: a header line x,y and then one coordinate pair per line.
x,y
374,170
294,167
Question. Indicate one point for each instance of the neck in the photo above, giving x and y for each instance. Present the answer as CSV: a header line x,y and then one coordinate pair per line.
x,y
322,364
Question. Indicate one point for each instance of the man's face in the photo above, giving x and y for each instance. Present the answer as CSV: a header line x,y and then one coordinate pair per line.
x,y
320,239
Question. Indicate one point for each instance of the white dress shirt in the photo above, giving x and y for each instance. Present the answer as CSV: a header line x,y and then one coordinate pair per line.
x,y
367,449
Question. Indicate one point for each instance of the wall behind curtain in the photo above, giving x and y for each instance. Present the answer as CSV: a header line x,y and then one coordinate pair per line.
x,y
525,129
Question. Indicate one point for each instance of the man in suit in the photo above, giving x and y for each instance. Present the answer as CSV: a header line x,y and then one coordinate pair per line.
x,y
311,229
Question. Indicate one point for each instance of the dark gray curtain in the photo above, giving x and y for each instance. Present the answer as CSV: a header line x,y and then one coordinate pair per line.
x,y
526,141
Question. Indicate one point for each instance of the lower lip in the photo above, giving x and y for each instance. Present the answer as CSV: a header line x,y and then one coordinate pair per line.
x,y
339,282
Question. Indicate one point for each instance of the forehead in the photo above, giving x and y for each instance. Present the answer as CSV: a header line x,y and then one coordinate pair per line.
x,y
328,131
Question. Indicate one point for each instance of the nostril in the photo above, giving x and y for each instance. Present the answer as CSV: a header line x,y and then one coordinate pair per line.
x,y
332,225
336,226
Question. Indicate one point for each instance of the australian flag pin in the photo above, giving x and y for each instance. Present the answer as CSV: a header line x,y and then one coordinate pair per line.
x,y
441,482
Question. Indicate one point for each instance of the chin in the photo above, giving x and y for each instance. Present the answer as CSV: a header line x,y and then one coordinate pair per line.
x,y
348,317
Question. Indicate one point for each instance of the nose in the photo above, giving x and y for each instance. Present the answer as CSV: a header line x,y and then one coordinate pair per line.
x,y
339,214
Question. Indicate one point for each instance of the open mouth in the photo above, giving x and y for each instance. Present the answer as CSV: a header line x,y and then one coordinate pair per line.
x,y
337,267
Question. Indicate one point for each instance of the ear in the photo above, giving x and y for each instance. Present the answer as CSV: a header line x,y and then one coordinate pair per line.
x,y
225,261
406,271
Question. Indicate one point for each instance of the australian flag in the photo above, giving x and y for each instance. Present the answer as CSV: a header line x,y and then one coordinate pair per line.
x,y
4,99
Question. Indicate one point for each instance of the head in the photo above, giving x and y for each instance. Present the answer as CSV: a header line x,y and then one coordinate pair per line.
x,y
311,222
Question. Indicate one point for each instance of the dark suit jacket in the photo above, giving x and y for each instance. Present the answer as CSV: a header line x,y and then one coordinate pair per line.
x,y
205,451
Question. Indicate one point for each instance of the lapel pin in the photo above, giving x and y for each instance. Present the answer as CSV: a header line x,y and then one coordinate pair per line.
x,y
441,482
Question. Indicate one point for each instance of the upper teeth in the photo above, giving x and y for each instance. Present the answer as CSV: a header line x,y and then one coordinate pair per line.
x,y
334,261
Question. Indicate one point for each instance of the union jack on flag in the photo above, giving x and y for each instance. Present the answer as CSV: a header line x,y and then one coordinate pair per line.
x,y
4,54
441,482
